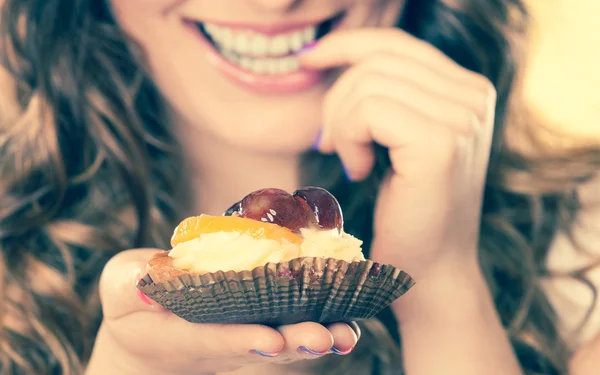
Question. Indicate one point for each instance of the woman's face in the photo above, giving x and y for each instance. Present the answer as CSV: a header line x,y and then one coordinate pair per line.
x,y
228,69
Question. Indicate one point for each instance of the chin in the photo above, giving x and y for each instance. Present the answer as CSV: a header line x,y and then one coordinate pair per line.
x,y
283,129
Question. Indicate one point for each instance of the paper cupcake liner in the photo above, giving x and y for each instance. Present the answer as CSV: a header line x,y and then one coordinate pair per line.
x,y
303,289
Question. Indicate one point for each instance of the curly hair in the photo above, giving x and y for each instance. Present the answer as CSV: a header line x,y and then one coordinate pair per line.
x,y
86,171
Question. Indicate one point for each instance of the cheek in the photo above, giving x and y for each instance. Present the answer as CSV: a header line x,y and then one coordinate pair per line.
x,y
144,20
124,9
171,52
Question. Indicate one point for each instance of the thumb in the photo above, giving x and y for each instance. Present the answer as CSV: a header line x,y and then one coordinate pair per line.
x,y
118,292
120,300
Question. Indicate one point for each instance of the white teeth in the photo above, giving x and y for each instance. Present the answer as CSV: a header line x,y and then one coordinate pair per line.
x,y
288,64
310,34
273,66
296,41
259,66
212,30
226,39
279,45
246,63
242,44
268,66
260,44
231,56
259,53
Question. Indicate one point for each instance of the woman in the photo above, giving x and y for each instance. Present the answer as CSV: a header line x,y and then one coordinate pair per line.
x,y
127,115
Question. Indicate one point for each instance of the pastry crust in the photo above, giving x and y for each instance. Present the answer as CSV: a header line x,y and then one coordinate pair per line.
x,y
160,268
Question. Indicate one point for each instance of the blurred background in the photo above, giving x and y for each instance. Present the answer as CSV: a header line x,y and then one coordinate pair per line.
x,y
561,87
562,83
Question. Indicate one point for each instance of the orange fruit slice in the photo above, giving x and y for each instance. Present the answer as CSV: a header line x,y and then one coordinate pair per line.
x,y
194,226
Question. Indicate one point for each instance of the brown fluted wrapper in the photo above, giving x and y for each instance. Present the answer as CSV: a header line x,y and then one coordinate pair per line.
x,y
304,289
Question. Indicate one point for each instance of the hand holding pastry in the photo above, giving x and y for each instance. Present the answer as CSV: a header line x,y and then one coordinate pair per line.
x,y
270,280
139,336
436,118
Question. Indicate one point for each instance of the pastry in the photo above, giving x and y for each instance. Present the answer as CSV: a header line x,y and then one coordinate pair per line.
x,y
272,258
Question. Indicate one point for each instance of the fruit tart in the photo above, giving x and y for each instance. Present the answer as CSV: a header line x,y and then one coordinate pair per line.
x,y
272,258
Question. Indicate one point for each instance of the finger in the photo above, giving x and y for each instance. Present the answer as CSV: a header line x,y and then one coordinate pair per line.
x,y
118,293
358,160
413,74
126,312
308,339
185,339
335,49
375,119
344,338
433,107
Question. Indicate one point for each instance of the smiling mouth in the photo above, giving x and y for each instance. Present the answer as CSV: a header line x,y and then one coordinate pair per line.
x,y
261,53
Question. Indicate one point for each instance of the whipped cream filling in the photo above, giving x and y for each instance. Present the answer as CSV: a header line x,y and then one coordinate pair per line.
x,y
331,244
235,251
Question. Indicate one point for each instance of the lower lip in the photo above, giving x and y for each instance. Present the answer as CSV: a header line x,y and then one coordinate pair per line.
x,y
271,84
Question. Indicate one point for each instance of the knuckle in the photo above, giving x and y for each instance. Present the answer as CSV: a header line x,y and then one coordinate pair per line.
x,y
478,116
484,105
489,90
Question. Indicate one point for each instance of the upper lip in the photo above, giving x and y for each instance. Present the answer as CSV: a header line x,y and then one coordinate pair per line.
x,y
268,29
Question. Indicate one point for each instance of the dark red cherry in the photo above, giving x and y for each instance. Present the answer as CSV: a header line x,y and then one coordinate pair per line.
x,y
234,210
278,207
326,209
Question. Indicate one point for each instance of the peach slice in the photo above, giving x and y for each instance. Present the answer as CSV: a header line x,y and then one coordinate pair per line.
x,y
194,226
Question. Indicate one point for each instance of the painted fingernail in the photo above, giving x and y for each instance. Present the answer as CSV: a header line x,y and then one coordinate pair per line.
x,y
144,298
315,145
307,48
304,349
341,352
263,354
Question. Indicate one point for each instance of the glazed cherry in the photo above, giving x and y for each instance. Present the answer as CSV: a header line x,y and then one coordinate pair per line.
x,y
278,207
326,209
234,210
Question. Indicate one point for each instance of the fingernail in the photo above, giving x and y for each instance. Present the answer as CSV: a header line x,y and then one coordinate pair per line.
x,y
144,298
307,48
340,352
263,354
304,349
315,145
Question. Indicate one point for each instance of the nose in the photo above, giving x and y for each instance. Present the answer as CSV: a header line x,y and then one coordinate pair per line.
x,y
276,5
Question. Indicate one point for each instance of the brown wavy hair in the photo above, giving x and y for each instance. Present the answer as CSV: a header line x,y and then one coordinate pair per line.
x,y
85,172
